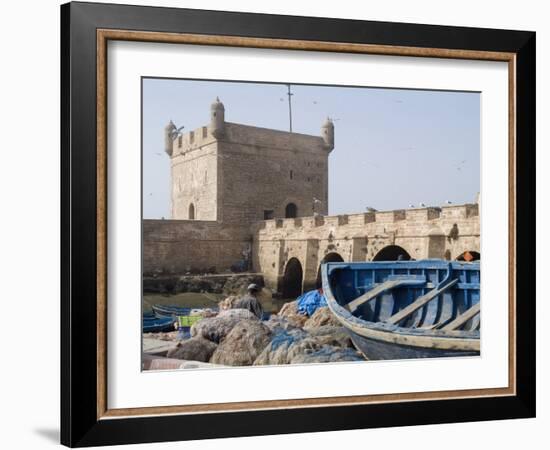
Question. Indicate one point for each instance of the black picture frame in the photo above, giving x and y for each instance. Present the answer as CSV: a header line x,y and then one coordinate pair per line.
x,y
80,425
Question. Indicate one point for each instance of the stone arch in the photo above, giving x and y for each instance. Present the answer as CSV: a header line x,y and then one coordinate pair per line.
x,y
291,211
191,211
292,279
329,257
392,253
468,256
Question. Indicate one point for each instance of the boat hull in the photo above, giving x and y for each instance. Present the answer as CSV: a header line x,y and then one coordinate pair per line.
x,y
378,350
157,325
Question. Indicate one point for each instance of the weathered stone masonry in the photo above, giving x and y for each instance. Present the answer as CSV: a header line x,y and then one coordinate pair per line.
x,y
257,198
182,246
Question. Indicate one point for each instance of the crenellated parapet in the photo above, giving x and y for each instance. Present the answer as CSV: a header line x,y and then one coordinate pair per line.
x,y
192,140
401,218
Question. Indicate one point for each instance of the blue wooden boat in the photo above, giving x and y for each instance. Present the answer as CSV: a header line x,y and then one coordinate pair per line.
x,y
149,315
170,311
157,324
407,309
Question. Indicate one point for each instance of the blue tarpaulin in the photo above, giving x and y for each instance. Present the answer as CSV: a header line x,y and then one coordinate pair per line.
x,y
310,301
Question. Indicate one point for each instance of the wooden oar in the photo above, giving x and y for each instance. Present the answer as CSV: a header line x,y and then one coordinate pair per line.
x,y
419,303
463,318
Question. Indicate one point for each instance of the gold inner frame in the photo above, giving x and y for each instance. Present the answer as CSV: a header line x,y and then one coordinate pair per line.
x,y
104,35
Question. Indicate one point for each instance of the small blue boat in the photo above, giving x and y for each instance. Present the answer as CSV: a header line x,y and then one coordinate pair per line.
x,y
170,311
407,309
157,324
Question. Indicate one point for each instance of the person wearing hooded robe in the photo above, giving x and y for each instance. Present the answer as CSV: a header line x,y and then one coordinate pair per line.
x,y
250,301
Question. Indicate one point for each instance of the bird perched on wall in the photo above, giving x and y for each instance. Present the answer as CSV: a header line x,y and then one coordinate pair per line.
x,y
315,202
175,131
411,206
371,209
448,202
422,205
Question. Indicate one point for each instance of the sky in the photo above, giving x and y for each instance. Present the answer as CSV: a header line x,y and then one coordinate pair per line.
x,y
393,147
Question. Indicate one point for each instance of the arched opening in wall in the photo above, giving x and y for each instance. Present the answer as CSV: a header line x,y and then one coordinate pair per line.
x,y
292,279
291,211
329,257
191,212
392,253
469,256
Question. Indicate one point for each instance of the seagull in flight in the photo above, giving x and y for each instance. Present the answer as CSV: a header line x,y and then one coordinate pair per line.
x,y
461,164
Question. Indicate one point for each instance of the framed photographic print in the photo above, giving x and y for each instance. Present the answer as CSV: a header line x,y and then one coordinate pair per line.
x,y
277,224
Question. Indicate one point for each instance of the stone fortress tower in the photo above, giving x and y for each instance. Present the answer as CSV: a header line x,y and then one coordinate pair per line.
x,y
239,174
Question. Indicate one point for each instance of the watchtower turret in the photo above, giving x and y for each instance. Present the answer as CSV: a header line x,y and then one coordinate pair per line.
x,y
169,131
217,118
327,133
